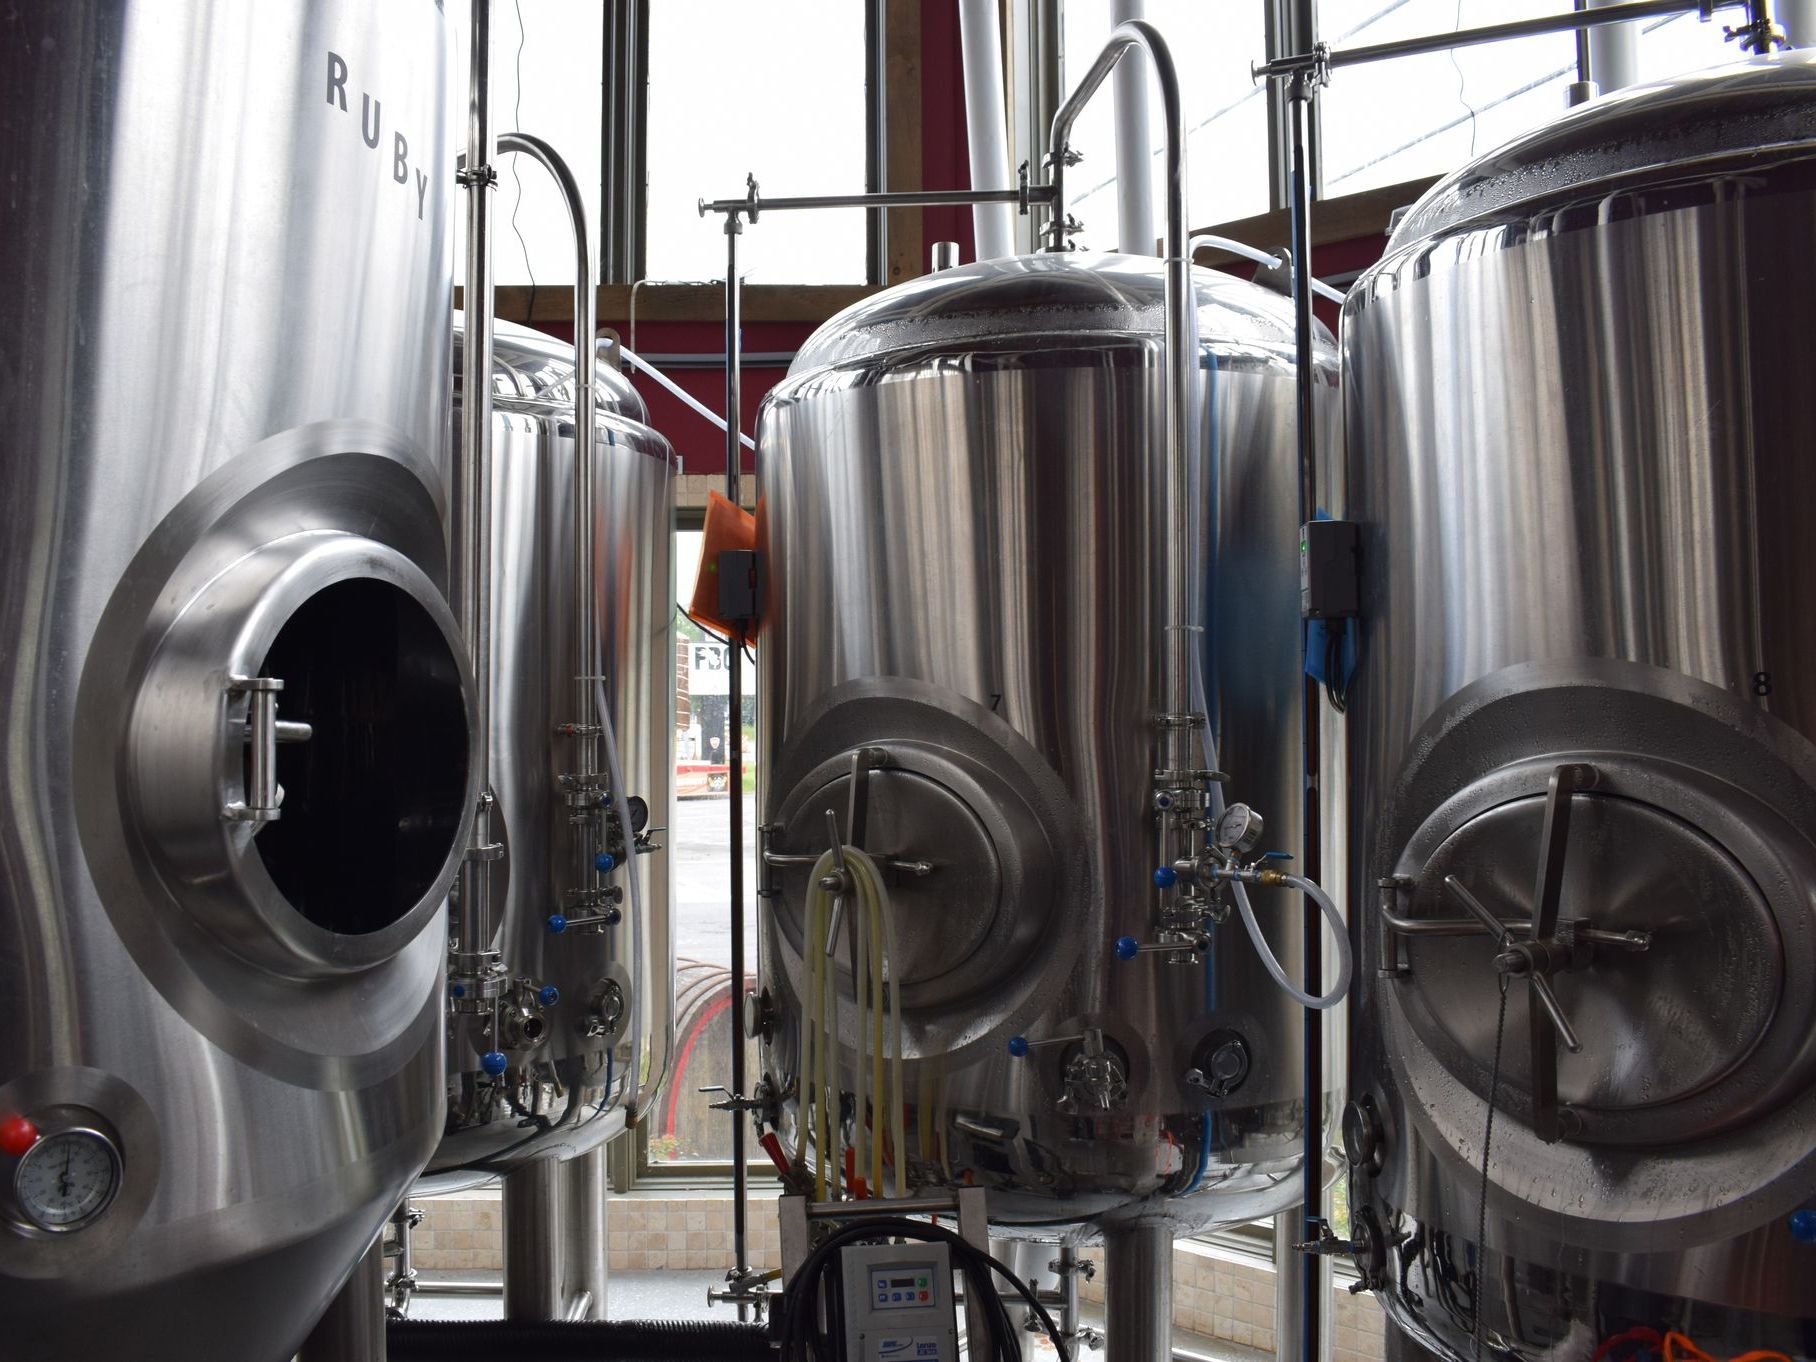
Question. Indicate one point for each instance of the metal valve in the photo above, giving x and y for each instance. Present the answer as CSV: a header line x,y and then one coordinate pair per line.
x,y
1096,1077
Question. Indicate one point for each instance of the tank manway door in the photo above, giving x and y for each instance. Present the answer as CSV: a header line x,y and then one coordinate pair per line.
x,y
1645,965
976,838
297,754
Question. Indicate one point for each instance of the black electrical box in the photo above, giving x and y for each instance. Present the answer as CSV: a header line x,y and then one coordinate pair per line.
x,y
1330,577
740,585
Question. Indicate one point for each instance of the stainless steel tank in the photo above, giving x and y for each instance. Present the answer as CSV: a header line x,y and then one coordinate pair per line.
x,y
237,719
1578,435
586,1025
959,498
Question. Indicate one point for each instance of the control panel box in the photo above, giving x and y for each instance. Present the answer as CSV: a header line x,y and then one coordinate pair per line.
x,y
898,1303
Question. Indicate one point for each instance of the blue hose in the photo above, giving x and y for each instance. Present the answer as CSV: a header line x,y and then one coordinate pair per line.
x,y
1204,1152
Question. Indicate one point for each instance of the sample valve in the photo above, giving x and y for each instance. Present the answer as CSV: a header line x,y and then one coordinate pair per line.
x,y
1094,1069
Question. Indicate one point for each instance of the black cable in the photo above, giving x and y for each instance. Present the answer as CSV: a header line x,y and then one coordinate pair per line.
x,y
802,1341
706,629
1481,1265
1336,688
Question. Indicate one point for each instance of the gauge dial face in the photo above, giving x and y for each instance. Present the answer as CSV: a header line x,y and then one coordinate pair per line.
x,y
67,1179
1239,828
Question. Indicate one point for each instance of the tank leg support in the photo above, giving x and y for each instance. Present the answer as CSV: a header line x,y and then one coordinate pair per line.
x,y
353,1330
533,1242
1138,1294
583,1266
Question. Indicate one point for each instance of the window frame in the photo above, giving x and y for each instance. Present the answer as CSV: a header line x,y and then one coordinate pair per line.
x,y
623,245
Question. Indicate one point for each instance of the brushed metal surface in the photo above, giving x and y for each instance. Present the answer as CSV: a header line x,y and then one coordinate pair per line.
x,y
578,1081
226,324
1577,431
958,506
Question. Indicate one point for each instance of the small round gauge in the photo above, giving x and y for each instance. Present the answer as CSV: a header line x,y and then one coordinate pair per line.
x,y
67,1179
639,808
1239,829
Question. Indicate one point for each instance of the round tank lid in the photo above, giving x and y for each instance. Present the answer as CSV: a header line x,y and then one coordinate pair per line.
x,y
534,367
1012,298
1763,106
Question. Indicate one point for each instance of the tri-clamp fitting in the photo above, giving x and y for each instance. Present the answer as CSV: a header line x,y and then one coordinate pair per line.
x,y
522,1023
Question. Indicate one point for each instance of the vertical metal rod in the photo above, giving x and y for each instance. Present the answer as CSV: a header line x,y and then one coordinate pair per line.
x,y
734,376
1138,1293
1300,95
1583,88
533,1242
353,1330
1289,1287
473,528
1066,1265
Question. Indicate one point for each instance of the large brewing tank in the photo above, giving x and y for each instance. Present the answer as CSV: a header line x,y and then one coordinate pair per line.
x,y
225,391
958,503
1578,433
583,1056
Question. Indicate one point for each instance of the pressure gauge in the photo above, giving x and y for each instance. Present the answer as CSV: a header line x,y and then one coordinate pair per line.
x,y
68,1179
1239,829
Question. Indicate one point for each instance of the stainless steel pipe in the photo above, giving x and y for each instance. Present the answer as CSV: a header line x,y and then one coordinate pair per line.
x,y
353,1330
473,924
586,652
1751,33
1138,1293
533,1242
1175,555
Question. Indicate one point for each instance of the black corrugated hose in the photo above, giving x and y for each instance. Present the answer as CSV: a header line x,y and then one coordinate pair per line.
x,y
490,1340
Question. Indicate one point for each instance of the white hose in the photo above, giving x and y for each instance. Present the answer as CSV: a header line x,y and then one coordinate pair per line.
x,y
686,397
868,899
1260,257
1239,891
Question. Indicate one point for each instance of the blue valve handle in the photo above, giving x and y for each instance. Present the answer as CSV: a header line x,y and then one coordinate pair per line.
x,y
1276,855
548,995
604,862
458,991
1018,1046
557,924
1803,1226
1127,948
493,1062
1165,877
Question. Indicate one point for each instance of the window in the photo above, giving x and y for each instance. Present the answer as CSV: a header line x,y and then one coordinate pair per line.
x,y
1225,113
779,90
1396,120
682,1129
556,46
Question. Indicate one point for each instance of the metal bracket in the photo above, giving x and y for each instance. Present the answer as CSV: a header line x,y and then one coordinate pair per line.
x,y
261,732
1546,951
